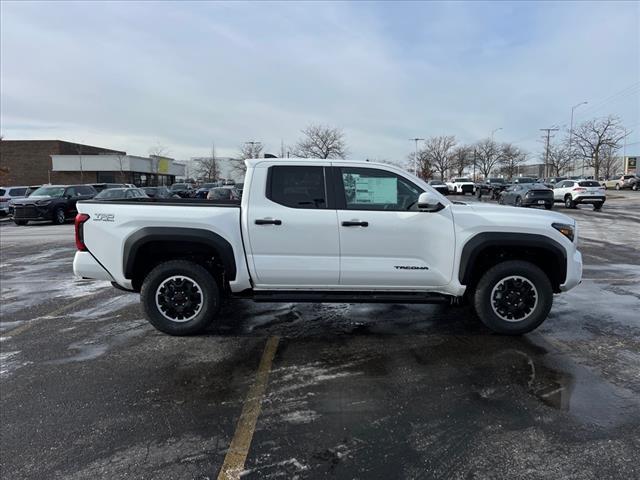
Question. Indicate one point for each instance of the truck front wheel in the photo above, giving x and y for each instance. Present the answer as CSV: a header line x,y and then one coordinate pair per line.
x,y
180,297
513,297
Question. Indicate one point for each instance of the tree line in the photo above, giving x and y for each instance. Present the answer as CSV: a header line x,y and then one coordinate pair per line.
x,y
594,143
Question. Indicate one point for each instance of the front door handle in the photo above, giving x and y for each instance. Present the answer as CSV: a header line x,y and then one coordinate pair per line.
x,y
355,224
268,221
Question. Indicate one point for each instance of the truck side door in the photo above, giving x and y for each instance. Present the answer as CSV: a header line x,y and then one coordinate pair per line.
x,y
292,229
385,241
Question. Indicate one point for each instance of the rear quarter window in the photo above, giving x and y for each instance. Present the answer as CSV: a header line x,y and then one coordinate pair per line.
x,y
2,190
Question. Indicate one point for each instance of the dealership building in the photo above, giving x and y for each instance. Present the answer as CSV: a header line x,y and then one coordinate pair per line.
x,y
36,162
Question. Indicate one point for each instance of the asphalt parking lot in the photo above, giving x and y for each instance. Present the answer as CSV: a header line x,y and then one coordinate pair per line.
x,y
89,390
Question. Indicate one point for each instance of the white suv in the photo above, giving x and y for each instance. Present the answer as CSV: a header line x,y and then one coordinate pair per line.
x,y
10,193
573,192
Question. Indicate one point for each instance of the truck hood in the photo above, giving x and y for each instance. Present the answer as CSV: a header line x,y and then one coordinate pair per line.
x,y
491,211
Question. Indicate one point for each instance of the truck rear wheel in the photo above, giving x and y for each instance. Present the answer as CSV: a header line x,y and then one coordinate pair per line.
x,y
180,297
513,297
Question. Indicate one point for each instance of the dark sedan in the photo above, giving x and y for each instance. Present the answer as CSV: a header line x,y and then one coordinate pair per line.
x,y
204,189
440,186
527,195
159,192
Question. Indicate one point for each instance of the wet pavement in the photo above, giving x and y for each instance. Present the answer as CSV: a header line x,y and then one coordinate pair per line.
x,y
89,390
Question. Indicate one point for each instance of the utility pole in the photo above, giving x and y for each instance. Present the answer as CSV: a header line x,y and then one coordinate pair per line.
x,y
573,162
281,148
546,153
475,160
415,159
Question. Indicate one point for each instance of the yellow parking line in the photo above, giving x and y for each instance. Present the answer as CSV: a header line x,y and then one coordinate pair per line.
x,y
26,326
239,447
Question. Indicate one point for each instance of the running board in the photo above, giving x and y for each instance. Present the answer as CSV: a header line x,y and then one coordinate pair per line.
x,y
348,297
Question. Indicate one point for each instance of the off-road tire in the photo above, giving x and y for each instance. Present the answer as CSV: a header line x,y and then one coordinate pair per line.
x,y
210,297
482,300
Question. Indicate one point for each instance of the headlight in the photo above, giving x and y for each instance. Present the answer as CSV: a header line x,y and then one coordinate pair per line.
x,y
567,230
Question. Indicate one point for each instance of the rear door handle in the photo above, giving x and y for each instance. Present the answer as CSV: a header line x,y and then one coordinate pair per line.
x,y
268,221
355,224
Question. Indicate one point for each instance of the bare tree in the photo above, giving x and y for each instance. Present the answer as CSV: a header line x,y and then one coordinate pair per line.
x,y
425,168
488,156
510,159
207,167
611,164
461,159
559,158
247,150
321,141
594,136
439,152
120,157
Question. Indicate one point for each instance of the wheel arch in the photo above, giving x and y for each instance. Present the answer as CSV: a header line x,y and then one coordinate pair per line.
x,y
142,247
487,249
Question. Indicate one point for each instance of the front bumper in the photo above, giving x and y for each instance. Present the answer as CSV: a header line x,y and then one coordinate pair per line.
x,y
574,271
32,212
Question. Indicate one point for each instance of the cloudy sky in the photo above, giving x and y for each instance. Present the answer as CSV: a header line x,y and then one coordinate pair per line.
x,y
183,75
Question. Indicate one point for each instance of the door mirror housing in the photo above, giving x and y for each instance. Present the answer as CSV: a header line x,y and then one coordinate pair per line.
x,y
428,202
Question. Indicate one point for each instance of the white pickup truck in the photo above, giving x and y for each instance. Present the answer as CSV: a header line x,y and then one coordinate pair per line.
x,y
328,231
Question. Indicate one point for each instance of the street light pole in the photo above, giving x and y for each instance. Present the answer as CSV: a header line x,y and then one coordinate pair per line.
x,y
573,163
494,131
415,159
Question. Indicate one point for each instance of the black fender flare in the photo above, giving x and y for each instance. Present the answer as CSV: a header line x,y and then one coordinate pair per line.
x,y
476,244
145,235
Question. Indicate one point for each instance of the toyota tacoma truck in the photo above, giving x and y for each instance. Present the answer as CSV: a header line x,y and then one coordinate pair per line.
x,y
328,231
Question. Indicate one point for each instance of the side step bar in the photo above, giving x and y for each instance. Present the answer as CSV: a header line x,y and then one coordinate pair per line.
x,y
348,297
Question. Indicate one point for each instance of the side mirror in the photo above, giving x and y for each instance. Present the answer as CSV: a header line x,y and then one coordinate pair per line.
x,y
428,202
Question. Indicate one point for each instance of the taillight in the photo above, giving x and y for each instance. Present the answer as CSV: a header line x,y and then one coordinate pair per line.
x,y
579,189
80,219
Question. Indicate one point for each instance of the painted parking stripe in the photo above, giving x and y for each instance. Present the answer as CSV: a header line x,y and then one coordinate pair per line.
x,y
234,461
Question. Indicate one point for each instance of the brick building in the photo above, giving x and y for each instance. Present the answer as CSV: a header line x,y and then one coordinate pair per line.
x,y
35,162
28,162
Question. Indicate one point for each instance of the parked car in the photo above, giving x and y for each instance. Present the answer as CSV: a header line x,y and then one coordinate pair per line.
x,y
461,185
492,186
621,182
527,195
120,193
574,192
518,180
51,202
223,193
204,189
553,180
635,183
184,190
185,260
240,188
439,186
10,193
159,192
103,186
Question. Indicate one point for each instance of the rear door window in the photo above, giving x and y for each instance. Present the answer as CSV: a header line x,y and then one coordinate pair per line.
x,y
297,186
17,192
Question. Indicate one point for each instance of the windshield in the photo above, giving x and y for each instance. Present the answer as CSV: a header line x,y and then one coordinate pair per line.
x,y
460,180
179,186
48,192
437,182
496,180
208,185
